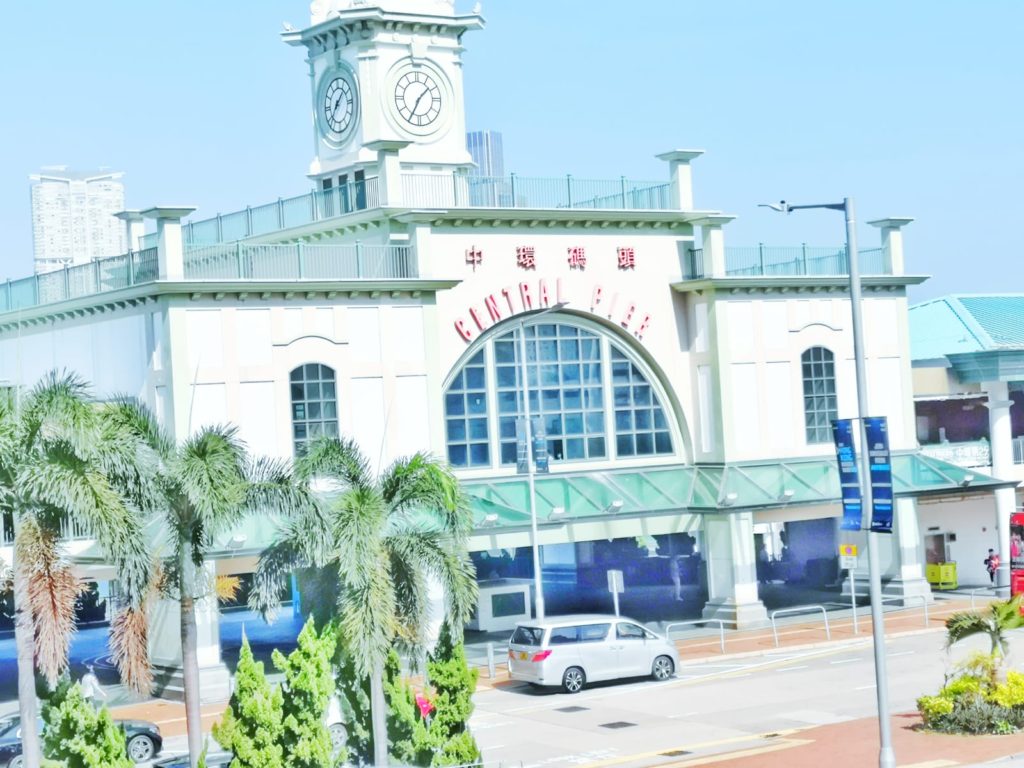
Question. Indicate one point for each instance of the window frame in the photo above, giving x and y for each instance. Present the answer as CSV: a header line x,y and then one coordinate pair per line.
x,y
816,433
305,401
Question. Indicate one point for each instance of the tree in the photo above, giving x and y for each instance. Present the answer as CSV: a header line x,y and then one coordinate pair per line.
x,y
207,485
77,736
1001,617
386,536
453,682
252,725
64,462
308,687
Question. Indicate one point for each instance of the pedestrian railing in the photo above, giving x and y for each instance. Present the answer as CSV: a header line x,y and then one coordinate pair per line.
x,y
693,622
300,261
809,261
799,609
994,589
903,598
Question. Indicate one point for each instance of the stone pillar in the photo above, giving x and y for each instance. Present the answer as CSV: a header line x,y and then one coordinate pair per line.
x,y
908,554
169,244
892,241
165,649
134,228
713,244
1001,446
732,576
680,176
389,171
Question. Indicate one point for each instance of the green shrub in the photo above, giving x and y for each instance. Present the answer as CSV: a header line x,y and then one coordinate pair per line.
x,y
1011,693
252,728
933,709
973,714
967,685
77,736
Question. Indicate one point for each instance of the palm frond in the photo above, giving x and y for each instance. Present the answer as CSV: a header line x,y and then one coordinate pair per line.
x,y
137,419
443,557
129,645
359,519
52,591
421,483
210,469
226,588
412,602
964,624
367,616
272,488
341,460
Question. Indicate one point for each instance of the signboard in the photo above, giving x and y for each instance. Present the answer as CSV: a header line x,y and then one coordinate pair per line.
x,y
615,583
1016,553
847,550
847,562
876,431
849,481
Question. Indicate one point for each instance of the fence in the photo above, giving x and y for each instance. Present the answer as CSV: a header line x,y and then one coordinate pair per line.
x,y
693,622
767,261
800,609
299,261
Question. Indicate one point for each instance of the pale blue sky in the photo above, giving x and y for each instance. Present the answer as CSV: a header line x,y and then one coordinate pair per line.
x,y
914,108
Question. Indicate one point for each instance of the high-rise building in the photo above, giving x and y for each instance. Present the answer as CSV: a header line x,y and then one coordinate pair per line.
x,y
73,217
485,149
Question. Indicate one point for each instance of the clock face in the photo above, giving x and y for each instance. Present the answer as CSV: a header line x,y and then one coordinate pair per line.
x,y
339,105
418,98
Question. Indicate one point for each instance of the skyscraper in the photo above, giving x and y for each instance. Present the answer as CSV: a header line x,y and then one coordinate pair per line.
x,y
73,217
485,149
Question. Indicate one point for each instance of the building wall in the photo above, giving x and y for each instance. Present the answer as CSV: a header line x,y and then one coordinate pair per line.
x,y
973,520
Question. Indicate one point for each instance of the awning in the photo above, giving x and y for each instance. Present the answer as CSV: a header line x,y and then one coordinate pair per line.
x,y
502,504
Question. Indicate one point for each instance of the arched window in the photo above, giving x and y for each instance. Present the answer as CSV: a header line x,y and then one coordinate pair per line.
x,y
820,408
585,413
314,404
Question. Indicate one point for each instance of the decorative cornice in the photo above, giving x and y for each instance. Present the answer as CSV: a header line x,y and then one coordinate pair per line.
x,y
797,284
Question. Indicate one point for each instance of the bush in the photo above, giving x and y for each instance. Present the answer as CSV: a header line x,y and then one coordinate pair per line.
x,y
252,728
1011,693
77,736
962,686
933,709
974,714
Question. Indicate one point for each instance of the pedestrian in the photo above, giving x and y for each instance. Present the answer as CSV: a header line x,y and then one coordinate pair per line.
x,y
763,564
992,565
675,570
92,691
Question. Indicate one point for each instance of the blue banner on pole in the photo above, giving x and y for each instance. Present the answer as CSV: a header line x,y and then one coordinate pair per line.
x,y
876,430
849,477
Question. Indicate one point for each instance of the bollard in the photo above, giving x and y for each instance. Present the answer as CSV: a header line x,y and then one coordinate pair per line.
x,y
490,661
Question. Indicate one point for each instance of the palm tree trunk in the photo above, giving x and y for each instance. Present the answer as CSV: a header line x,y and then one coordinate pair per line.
x,y
190,660
24,641
379,717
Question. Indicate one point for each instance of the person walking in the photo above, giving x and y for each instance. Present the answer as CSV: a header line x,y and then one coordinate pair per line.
x,y
92,691
675,571
992,565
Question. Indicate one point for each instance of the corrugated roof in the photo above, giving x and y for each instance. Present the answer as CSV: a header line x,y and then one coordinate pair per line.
x,y
966,323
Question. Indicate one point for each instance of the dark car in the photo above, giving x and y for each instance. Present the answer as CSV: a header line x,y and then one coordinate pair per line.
x,y
143,740
218,760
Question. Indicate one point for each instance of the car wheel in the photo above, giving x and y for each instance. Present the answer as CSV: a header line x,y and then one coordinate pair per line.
x,y
663,668
338,737
573,680
141,748
16,762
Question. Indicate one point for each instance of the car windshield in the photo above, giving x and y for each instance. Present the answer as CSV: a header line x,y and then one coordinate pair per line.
x,y
9,724
527,636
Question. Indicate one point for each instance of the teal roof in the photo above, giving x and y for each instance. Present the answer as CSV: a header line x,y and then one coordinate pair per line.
x,y
961,324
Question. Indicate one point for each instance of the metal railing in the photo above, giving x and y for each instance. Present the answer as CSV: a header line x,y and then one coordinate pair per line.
x,y
719,622
1018,450
694,264
253,261
803,260
109,274
993,588
800,609
903,598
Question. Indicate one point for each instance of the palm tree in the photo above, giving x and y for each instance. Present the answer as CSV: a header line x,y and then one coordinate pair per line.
x,y
63,462
207,485
1001,617
386,537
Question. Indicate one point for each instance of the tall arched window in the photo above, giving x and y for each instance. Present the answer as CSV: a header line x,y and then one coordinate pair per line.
x,y
819,375
314,404
585,412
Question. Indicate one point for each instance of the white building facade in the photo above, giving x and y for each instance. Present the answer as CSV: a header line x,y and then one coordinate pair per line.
x,y
684,389
73,217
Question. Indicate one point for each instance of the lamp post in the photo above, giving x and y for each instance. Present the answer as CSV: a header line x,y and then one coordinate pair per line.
x,y
886,756
538,581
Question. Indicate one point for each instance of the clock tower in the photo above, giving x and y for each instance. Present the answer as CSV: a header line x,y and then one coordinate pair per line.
x,y
385,74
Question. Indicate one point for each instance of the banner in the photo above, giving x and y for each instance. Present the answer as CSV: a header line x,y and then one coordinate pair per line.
x,y
849,477
876,429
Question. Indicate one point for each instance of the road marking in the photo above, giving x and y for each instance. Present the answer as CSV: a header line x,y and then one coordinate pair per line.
x,y
901,653
699,745
845,661
775,746
790,669
865,687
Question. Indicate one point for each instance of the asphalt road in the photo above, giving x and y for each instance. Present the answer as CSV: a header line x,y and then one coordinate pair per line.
x,y
709,708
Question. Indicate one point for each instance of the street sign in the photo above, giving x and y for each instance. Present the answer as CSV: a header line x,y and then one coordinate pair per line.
x,y
850,550
876,430
849,482
615,582
847,562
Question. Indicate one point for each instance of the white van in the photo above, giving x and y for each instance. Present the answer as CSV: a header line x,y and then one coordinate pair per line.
x,y
571,650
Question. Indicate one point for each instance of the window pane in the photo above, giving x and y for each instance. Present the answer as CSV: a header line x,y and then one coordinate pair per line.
x,y
314,404
479,454
457,455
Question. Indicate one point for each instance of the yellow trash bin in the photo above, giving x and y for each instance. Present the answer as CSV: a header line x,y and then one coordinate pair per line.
x,y
931,573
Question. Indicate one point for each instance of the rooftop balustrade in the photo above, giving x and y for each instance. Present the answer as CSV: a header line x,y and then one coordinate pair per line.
x,y
789,261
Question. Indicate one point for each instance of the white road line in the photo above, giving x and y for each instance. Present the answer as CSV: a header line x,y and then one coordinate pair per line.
x,y
865,687
844,661
790,669
901,653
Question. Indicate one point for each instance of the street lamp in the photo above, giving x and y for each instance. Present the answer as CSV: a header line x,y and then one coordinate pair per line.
x,y
538,582
886,756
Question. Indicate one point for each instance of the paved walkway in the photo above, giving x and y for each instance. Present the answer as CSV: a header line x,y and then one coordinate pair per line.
x,y
851,744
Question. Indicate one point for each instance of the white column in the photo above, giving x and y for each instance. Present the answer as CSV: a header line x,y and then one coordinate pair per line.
x,y
732,576
681,176
713,244
389,171
1001,446
908,553
170,246
134,228
892,240
165,648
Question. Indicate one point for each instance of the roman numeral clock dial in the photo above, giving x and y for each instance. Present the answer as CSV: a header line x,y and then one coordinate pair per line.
x,y
418,99
338,109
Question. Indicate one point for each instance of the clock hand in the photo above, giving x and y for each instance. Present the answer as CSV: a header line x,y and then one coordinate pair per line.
x,y
337,101
418,98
